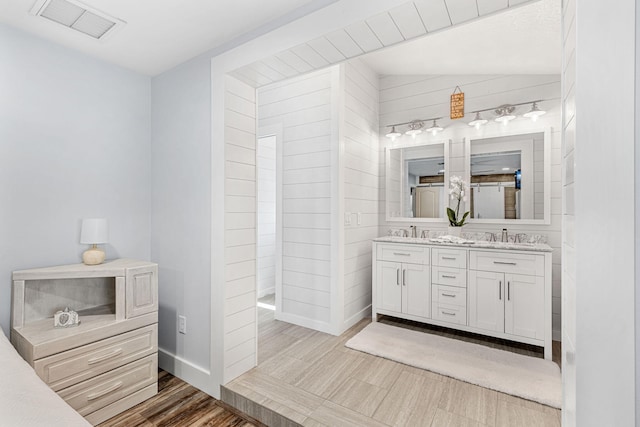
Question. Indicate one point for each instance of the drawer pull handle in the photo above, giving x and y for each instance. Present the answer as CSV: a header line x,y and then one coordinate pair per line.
x,y
398,276
504,263
448,295
401,254
404,283
450,258
99,359
509,291
446,313
107,390
448,277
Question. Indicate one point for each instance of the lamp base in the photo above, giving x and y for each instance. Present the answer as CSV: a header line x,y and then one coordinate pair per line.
x,y
93,256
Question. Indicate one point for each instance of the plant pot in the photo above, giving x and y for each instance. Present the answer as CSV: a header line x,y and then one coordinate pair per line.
x,y
454,231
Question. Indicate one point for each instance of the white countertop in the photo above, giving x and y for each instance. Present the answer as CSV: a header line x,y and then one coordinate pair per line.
x,y
475,244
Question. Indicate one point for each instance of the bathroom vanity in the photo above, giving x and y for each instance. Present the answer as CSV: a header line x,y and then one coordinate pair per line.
x,y
497,289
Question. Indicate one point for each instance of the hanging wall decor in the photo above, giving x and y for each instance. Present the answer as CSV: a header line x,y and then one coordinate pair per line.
x,y
457,104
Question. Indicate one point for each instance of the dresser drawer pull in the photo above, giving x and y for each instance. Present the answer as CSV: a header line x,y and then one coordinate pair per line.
x,y
99,359
447,313
448,277
107,390
504,263
450,258
401,254
448,295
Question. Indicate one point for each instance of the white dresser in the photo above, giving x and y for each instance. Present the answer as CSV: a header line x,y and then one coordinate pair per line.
x,y
109,362
487,288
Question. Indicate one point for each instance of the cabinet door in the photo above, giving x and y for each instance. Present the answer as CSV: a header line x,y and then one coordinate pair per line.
x,y
524,306
486,300
389,296
416,290
141,290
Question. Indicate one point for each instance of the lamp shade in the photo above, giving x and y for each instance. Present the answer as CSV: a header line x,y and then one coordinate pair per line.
x,y
94,231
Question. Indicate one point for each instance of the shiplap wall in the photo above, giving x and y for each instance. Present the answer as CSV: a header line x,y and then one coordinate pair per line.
x,y
266,215
405,98
359,136
568,215
303,107
240,228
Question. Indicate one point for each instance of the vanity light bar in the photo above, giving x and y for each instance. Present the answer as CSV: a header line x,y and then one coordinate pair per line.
x,y
504,113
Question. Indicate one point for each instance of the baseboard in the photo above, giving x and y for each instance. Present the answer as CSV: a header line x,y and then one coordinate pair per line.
x,y
264,292
365,312
198,377
316,325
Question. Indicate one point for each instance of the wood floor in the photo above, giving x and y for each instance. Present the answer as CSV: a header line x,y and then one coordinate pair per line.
x,y
178,404
312,379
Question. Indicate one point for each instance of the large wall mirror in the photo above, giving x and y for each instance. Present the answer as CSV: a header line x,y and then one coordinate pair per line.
x,y
415,183
509,178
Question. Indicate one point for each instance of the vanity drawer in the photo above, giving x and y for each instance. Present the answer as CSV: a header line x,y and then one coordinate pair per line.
x,y
449,276
71,367
449,313
100,391
449,295
413,254
456,258
531,265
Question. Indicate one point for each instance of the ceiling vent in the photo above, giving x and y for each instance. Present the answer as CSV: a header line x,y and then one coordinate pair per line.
x,y
77,16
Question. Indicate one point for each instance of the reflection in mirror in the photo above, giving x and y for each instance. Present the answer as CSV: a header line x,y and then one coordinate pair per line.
x,y
415,182
507,177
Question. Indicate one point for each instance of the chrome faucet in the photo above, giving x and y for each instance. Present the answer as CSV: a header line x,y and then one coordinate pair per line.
x,y
492,237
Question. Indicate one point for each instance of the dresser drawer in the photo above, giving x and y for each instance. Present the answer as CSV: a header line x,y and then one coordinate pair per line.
x,y
100,391
449,276
456,258
449,295
71,367
532,265
413,254
449,313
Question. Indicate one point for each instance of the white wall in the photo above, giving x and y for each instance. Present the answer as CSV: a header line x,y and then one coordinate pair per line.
x,y
405,98
359,136
181,216
240,323
75,143
604,210
303,107
266,215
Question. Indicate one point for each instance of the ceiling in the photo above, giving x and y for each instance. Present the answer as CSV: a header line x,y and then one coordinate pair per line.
x,y
160,34
520,40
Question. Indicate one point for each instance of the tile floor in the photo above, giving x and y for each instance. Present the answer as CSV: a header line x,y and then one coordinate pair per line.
x,y
312,379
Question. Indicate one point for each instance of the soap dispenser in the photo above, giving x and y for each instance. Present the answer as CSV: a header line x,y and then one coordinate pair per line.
x,y
505,236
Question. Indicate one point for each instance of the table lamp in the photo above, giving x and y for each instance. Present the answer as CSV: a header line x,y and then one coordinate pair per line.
x,y
94,231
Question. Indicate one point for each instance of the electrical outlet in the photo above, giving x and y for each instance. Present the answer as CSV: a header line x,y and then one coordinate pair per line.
x,y
182,324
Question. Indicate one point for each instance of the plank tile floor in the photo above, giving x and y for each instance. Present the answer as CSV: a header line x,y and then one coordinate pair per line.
x,y
179,404
312,379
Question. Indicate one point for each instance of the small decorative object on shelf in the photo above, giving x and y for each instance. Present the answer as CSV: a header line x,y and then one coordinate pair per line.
x,y
65,318
457,189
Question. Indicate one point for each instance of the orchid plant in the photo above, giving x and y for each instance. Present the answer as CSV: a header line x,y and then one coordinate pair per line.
x,y
457,188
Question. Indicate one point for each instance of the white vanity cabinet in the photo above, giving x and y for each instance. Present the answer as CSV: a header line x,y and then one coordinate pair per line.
x,y
404,280
507,293
449,285
504,293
